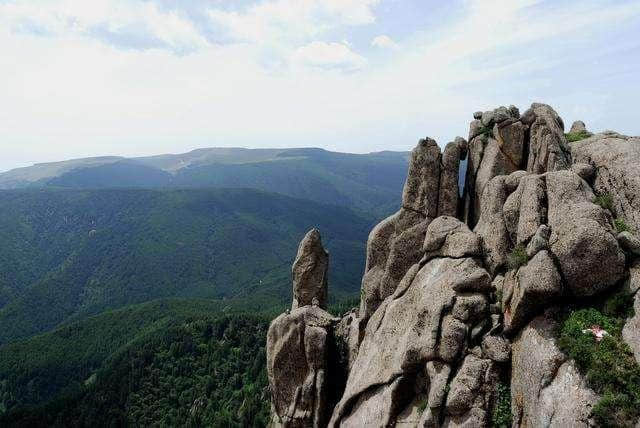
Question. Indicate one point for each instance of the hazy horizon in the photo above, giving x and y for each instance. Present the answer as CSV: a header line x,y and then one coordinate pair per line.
x,y
139,78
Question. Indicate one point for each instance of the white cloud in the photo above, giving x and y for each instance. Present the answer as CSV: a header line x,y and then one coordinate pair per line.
x,y
292,20
328,55
139,24
384,41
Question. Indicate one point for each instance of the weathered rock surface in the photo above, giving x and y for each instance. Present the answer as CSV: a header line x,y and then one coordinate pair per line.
x,y
410,329
491,226
616,159
631,330
629,242
394,246
547,145
449,237
546,388
533,287
471,393
448,190
297,345
420,192
309,272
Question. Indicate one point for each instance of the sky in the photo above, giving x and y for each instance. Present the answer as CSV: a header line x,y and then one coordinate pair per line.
x,y
131,77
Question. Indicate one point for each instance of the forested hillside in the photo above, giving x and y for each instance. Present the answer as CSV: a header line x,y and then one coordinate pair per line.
x,y
206,371
77,253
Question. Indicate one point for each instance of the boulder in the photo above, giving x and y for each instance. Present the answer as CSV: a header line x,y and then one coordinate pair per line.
x,y
394,247
448,193
347,334
584,170
494,162
406,250
379,241
577,127
449,237
309,272
629,242
420,192
524,210
582,238
496,348
297,345
540,241
475,129
547,389
535,286
487,118
471,393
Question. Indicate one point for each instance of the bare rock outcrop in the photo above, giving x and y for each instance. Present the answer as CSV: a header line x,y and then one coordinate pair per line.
x,y
460,294
420,192
298,343
582,236
547,144
429,318
529,289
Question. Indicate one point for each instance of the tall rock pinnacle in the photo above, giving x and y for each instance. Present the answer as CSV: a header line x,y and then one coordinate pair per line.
x,y
309,272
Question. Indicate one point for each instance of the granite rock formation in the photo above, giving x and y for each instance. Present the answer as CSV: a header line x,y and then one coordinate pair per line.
x,y
463,287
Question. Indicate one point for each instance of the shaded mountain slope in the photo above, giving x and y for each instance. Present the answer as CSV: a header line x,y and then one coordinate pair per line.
x,y
77,253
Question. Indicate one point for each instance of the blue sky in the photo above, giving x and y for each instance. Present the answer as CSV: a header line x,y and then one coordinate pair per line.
x,y
116,77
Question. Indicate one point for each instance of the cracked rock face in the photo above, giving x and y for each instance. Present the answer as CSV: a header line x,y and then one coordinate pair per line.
x,y
297,366
546,388
460,293
412,327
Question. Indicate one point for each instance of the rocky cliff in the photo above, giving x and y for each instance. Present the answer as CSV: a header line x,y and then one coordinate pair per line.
x,y
477,294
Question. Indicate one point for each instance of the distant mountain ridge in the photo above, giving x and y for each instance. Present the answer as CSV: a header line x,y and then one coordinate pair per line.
x,y
361,181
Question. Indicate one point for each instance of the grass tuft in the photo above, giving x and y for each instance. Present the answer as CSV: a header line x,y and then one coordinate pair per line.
x,y
518,257
621,225
577,136
605,201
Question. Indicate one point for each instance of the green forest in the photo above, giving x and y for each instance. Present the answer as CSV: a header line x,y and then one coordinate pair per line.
x,y
80,252
201,371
